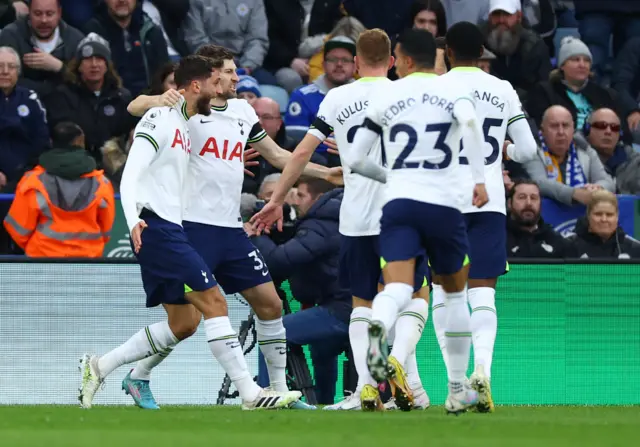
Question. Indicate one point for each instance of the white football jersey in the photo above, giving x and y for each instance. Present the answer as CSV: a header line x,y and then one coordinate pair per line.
x,y
421,138
497,106
216,168
342,112
161,187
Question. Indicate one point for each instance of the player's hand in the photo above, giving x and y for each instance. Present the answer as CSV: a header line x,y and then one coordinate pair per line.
x,y
480,196
39,60
633,120
170,98
332,146
508,183
136,235
249,230
504,149
264,220
335,176
249,155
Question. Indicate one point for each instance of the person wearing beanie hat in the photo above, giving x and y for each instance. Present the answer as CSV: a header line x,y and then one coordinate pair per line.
x,y
572,47
93,45
248,88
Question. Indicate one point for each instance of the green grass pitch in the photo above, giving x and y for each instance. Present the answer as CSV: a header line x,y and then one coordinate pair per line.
x,y
65,426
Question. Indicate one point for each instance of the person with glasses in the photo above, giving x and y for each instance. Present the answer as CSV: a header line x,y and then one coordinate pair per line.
x,y
603,131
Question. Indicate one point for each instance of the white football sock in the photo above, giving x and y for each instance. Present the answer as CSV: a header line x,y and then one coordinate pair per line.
x,y
226,348
143,368
388,303
413,375
359,340
439,317
272,339
484,325
408,329
145,343
458,335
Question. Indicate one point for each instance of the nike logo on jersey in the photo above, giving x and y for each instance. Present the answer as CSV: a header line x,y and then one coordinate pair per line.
x,y
204,122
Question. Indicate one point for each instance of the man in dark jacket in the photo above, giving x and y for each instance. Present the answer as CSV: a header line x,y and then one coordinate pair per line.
x,y
625,80
92,97
522,58
45,44
310,262
527,234
23,128
137,45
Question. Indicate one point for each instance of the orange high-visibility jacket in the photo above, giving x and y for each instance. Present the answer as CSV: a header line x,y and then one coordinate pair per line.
x,y
54,217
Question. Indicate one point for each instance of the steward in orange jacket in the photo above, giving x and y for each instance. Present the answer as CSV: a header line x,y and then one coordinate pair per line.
x,y
64,207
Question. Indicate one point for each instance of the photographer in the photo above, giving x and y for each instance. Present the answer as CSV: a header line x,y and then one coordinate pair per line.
x,y
309,260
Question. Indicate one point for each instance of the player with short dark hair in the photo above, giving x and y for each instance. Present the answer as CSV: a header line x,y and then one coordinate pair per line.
x,y
499,110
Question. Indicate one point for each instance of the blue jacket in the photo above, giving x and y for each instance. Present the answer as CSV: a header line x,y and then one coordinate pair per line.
x,y
23,132
310,260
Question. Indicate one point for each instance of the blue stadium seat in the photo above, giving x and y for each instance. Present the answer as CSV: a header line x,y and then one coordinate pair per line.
x,y
278,94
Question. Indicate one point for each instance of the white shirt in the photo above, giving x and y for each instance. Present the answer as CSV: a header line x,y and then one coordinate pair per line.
x,y
216,168
498,108
421,138
157,182
50,45
342,112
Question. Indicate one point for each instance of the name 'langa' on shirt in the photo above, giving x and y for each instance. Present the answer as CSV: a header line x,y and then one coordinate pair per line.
x,y
490,98
403,104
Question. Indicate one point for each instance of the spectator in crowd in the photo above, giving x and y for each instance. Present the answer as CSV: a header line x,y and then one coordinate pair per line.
x,y
598,20
304,103
522,58
23,128
625,80
168,15
268,186
310,262
565,169
313,46
598,235
137,45
268,112
163,80
603,132
528,236
92,96
78,12
44,42
570,86
286,18
64,207
324,16
11,10
429,15
249,89
484,63
474,11
239,25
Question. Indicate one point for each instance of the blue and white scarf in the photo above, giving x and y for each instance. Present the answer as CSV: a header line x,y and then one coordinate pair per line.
x,y
575,173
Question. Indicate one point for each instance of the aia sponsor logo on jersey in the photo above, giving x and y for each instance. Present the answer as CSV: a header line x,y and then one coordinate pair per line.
x,y
223,149
181,140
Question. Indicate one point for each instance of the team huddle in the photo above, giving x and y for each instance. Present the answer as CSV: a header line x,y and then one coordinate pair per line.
x,y
415,202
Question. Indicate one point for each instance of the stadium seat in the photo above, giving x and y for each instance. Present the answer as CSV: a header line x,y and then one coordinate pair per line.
x,y
278,94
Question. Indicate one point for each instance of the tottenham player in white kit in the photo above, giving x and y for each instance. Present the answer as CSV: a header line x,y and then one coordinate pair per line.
x,y
212,218
421,118
499,110
153,199
342,112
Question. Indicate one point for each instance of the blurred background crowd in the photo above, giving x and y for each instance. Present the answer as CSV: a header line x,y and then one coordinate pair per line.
x,y
69,68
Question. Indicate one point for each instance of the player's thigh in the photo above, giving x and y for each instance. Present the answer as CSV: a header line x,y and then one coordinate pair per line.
x,y
168,262
400,241
360,267
421,277
183,319
487,247
208,241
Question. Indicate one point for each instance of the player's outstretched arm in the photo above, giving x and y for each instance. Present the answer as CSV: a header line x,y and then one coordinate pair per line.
x,y
142,103
524,147
464,112
357,159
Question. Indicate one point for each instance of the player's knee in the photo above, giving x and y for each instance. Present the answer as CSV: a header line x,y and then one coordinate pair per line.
x,y
269,309
183,329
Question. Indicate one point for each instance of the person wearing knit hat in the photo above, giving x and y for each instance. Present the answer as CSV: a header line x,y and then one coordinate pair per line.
x,y
571,47
248,88
93,45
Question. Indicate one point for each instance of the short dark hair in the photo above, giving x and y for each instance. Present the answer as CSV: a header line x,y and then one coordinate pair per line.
x,y
217,53
465,40
521,181
192,68
64,133
316,186
419,45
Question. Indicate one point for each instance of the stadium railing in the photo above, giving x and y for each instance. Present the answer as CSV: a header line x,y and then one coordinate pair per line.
x,y
568,334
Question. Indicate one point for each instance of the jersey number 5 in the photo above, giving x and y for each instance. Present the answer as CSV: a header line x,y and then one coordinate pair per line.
x,y
493,142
